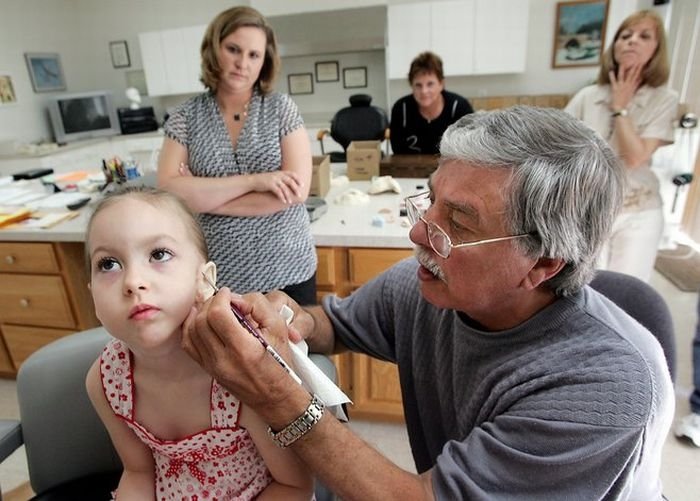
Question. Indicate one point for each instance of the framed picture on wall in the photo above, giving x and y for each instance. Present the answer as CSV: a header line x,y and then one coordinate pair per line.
x,y
355,77
327,71
45,71
579,36
119,51
7,90
300,83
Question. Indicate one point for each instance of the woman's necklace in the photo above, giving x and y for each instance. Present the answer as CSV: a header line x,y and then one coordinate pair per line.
x,y
237,116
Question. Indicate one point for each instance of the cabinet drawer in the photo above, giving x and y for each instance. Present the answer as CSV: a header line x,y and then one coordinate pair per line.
x,y
27,258
23,341
35,300
366,264
6,366
325,272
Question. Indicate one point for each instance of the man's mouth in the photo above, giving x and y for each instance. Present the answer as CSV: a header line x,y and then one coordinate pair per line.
x,y
425,259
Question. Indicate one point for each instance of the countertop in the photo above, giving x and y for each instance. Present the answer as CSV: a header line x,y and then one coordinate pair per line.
x,y
340,226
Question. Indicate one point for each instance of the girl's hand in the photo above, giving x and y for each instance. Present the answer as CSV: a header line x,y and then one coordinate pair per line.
x,y
285,185
624,85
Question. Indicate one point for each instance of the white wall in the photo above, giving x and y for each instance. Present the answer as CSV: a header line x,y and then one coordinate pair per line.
x,y
80,31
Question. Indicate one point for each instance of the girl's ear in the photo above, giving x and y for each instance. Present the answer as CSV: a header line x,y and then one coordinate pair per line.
x,y
205,278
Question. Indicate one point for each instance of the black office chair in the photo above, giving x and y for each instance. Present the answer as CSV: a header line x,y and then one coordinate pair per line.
x,y
69,453
358,122
643,303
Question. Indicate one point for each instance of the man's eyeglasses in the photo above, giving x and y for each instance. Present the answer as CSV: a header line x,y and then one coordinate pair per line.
x,y
416,207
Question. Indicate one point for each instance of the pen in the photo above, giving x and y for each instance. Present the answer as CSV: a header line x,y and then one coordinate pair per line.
x,y
246,324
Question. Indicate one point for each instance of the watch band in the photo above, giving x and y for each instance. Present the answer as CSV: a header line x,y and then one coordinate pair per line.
x,y
301,425
619,113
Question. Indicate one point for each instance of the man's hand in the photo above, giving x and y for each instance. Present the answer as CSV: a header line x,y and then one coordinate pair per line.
x,y
223,347
302,323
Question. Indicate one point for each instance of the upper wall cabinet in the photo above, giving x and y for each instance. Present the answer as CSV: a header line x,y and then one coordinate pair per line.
x,y
171,60
471,36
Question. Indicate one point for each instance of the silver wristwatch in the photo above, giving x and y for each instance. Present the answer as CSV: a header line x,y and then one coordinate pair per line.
x,y
301,425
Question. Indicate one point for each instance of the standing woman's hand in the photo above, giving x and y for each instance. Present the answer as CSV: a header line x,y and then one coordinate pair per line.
x,y
624,85
285,185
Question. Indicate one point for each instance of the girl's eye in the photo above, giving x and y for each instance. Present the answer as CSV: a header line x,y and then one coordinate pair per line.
x,y
161,255
107,264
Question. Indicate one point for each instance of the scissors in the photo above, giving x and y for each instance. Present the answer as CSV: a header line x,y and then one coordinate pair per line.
x,y
247,325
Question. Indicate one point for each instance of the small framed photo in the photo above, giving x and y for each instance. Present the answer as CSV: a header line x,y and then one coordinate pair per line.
x,y
45,71
300,83
327,71
7,90
579,33
119,51
355,77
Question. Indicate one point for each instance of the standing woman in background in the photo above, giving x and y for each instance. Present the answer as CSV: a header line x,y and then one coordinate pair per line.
x,y
633,109
239,156
419,119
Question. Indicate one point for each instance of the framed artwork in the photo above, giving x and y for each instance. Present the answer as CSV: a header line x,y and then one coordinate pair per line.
x,y
355,77
45,71
119,51
579,37
327,71
7,90
300,83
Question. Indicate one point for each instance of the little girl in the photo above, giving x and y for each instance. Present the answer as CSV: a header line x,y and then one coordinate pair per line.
x,y
180,435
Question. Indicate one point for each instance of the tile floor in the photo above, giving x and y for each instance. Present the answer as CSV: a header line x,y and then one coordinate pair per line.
x,y
681,462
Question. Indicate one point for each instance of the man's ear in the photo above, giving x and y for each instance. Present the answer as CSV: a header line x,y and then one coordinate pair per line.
x,y
205,278
544,269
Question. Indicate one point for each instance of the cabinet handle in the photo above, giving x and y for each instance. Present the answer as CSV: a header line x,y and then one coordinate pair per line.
x,y
10,259
24,303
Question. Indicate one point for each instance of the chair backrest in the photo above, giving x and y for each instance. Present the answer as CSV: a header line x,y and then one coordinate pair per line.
x,y
643,303
64,438
359,122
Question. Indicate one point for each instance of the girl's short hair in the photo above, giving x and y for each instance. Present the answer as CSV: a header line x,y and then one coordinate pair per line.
x,y
426,62
222,26
656,72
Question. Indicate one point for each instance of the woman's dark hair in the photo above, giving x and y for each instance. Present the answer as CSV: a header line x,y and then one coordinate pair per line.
x,y
426,62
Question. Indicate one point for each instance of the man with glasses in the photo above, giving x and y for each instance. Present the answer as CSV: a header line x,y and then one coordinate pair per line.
x,y
518,380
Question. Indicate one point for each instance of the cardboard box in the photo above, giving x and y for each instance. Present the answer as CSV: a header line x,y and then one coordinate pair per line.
x,y
363,160
321,176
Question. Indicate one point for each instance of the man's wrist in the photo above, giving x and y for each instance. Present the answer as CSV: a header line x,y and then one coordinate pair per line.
x,y
301,425
618,112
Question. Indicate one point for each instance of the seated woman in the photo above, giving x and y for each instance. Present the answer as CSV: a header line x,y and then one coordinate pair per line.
x,y
419,119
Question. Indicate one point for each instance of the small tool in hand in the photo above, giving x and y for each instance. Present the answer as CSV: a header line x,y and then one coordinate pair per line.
x,y
245,323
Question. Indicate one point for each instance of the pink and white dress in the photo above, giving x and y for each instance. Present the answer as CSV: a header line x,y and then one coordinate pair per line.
x,y
219,463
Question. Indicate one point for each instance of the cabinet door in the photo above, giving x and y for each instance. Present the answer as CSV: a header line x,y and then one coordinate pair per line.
x,y
23,341
408,35
452,36
191,42
500,36
153,63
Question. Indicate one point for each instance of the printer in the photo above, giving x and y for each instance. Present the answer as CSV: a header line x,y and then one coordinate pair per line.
x,y
138,120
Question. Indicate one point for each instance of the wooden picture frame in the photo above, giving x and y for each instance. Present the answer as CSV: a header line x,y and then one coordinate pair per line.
x,y
327,71
119,51
355,77
7,90
45,71
579,33
300,83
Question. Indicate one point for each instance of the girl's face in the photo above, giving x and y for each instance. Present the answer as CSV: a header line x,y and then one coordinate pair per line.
x,y
241,58
426,89
144,275
636,44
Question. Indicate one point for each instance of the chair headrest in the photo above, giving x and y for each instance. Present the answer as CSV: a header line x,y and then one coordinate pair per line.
x,y
358,100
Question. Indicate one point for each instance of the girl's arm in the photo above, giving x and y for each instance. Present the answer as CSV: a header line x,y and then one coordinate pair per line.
x,y
138,479
290,478
244,194
278,189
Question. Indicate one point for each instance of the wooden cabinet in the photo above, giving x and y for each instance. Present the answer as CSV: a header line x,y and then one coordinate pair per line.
x,y
472,37
43,296
371,384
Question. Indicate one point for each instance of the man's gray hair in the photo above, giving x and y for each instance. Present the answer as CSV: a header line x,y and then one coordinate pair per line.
x,y
566,186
